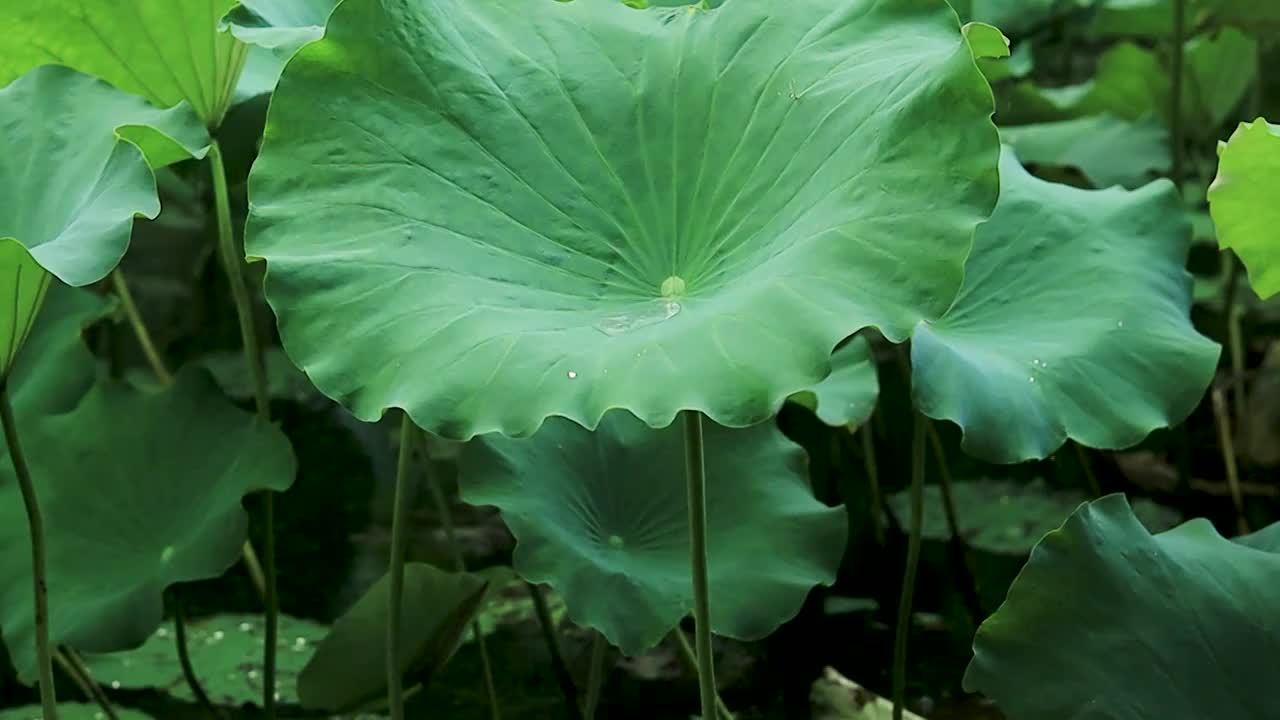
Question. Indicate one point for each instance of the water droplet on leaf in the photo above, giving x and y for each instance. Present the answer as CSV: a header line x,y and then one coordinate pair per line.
x,y
649,314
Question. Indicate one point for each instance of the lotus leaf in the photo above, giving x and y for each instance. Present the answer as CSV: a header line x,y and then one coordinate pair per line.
x,y
848,395
1074,322
167,51
279,24
1245,202
139,491
18,307
1107,150
592,207
601,517
73,173
1108,621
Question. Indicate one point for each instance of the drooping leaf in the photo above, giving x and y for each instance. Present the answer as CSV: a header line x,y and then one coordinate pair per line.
x,y
1073,323
1245,202
1110,622
348,670
848,395
602,518
25,284
279,24
55,369
72,174
1107,150
1008,518
592,207
167,51
71,711
225,650
139,491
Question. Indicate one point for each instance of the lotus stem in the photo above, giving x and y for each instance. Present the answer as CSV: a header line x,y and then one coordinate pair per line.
x,y
140,331
395,570
1223,421
944,475
1082,455
873,480
39,574
691,661
558,665
595,675
460,565
913,560
233,264
184,660
1176,134
696,484
80,675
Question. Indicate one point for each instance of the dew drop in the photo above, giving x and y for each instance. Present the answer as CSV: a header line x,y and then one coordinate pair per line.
x,y
650,313
245,627
1031,379
162,632
572,374
1119,323
218,635
115,684
253,675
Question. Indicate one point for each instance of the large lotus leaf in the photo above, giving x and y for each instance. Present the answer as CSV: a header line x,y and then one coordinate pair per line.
x,y
226,652
71,711
55,369
26,284
167,51
1003,517
1073,323
848,395
1107,150
592,206
1109,622
602,518
1245,202
139,491
348,670
72,177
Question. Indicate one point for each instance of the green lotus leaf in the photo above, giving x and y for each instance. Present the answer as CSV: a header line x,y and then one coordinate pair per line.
x,y
1135,18
1244,200
1130,83
1107,150
1003,517
1073,323
592,207
848,395
279,24
348,670
1221,68
55,369
226,652
1262,18
71,711
601,517
1108,621
72,176
139,491
28,283
986,41
167,51
1014,16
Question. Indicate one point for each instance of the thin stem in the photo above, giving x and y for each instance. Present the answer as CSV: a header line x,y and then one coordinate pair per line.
x,y
140,331
1087,468
944,474
395,571
1223,421
1235,343
691,662
460,565
561,669
696,482
71,664
595,675
873,481
913,561
1177,131
39,576
233,264
184,660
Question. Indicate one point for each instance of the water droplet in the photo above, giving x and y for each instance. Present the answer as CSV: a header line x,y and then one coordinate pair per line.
x,y
167,553
1031,379
299,641
162,632
1119,323
253,675
245,627
650,313
115,684
572,374
217,636
616,541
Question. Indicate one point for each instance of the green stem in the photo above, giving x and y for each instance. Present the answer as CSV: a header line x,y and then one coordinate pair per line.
x,y
561,669
595,675
395,571
913,560
691,661
233,264
71,664
873,481
184,660
1087,469
140,331
39,577
944,475
1176,134
1223,422
696,482
460,565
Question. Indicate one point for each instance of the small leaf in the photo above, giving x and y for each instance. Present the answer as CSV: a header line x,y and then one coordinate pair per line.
x,y
1074,322
1109,622
848,395
279,24
986,41
1107,150
139,491
72,174
602,518
348,669
1244,200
